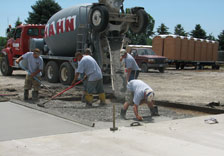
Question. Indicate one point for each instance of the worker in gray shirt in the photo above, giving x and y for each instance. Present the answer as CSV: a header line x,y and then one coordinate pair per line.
x,y
82,75
131,65
34,67
91,69
139,93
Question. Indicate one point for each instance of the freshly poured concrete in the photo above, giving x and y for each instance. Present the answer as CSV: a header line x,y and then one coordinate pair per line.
x,y
17,122
186,137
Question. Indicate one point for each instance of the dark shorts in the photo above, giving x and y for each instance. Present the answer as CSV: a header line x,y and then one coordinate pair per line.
x,y
95,87
82,75
134,75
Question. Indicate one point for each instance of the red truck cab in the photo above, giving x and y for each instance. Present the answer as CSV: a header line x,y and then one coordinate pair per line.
x,y
146,58
19,45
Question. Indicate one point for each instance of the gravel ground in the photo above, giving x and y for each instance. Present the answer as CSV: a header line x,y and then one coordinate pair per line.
x,y
187,86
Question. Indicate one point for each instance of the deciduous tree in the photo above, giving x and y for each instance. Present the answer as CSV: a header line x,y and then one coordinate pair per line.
x,y
143,38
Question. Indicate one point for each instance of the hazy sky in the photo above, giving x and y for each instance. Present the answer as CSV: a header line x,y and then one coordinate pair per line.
x,y
208,13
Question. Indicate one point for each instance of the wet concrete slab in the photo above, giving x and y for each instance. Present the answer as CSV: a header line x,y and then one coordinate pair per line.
x,y
101,117
17,122
171,138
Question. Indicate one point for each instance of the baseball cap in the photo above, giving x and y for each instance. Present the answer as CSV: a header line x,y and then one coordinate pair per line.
x,y
149,95
36,51
123,51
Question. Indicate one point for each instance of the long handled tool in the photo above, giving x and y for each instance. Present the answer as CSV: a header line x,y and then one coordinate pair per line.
x,y
53,97
21,65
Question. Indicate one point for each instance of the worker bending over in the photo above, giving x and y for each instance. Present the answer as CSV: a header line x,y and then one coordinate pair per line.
x,y
34,67
131,65
138,93
90,68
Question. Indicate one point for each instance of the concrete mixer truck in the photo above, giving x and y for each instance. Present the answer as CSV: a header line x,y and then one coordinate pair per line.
x,y
100,26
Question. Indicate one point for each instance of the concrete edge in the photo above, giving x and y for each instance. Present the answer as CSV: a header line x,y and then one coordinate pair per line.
x,y
189,107
54,113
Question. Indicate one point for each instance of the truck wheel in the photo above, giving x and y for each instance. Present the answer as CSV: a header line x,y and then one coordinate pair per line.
x,y
217,67
52,72
182,66
161,69
5,68
142,23
99,18
66,73
177,66
144,68
43,71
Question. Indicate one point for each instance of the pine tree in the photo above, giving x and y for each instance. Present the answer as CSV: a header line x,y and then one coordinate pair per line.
x,y
18,22
198,32
211,37
42,11
163,30
221,40
179,30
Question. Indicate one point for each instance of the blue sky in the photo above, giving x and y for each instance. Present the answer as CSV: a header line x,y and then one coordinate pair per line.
x,y
208,13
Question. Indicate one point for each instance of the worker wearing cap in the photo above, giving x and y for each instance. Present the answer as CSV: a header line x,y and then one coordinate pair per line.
x,y
138,93
131,65
34,67
87,52
89,66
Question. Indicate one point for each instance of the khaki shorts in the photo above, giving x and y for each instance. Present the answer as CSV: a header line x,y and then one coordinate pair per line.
x,y
129,96
31,82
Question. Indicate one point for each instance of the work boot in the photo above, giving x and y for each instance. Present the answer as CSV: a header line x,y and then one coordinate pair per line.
x,y
102,98
26,94
35,96
102,103
89,104
154,111
123,114
83,98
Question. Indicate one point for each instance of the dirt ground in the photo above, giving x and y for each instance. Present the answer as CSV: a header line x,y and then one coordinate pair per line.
x,y
195,87
188,86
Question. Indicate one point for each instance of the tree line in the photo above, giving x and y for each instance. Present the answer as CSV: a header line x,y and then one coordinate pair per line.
x,y
42,10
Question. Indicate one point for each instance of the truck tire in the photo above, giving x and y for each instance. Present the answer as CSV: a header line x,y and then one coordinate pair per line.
x,y
182,66
215,67
5,68
52,72
161,69
177,66
144,68
143,21
99,18
66,73
43,71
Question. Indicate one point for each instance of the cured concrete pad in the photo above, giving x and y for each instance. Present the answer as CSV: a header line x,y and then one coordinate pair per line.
x,y
172,138
17,122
